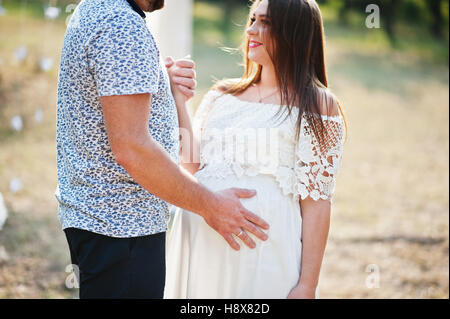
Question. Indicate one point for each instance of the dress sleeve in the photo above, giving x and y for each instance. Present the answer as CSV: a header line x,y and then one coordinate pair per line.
x,y
317,164
203,110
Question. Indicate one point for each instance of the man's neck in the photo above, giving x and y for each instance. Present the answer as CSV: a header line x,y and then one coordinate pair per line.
x,y
138,7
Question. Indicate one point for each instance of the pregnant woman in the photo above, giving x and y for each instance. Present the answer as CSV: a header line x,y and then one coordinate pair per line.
x,y
277,130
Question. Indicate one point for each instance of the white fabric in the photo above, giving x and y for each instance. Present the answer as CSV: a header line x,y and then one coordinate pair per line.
x,y
244,145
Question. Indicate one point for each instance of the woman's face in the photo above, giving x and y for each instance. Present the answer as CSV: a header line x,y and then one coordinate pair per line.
x,y
258,34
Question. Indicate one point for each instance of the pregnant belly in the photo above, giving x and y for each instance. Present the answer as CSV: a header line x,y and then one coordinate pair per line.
x,y
269,202
275,262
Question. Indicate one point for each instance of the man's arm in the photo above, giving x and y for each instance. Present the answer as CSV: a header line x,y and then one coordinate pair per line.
x,y
126,119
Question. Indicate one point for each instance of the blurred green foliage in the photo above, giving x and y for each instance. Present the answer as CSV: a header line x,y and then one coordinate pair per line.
x,y
432,15
429,14
417,25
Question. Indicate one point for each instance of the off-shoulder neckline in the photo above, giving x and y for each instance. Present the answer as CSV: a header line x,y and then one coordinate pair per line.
x,y
327,117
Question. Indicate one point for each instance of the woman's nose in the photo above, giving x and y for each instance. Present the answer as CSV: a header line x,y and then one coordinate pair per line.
x,y
251,30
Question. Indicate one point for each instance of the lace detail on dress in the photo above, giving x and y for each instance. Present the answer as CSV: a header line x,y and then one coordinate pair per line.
x,y
203,110
317,163
241,138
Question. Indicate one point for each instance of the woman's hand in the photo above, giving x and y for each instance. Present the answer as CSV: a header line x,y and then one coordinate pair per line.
x,y
302,292
182,78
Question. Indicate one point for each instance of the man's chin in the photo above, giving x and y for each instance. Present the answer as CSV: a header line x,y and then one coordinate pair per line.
x,y
156,5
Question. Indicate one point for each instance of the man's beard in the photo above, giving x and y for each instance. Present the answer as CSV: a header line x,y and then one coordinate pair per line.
x,y
156,5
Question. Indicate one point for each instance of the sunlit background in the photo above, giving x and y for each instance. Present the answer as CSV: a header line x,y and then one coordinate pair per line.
x,y
389,232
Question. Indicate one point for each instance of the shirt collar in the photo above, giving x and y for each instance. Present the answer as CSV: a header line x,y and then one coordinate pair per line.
x,y
136,8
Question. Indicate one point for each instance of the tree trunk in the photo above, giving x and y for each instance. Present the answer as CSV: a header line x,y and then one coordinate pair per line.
x,y
436,27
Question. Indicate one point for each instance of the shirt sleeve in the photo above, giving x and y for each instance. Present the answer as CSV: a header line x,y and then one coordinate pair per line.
x,y
123,57
317,164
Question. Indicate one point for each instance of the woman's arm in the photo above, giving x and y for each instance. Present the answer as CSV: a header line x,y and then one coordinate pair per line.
x,y
315,227
316,180
182,77
190,145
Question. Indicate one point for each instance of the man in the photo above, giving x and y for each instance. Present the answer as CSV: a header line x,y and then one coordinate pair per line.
x,y
117,154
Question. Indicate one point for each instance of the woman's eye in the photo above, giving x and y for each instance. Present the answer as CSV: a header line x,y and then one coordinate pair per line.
x,y
263,21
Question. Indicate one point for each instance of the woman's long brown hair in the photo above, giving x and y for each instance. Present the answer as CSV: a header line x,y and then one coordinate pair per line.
x,y
298,55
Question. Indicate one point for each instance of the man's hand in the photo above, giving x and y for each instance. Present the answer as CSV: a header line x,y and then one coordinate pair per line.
x,y
229,217
182,78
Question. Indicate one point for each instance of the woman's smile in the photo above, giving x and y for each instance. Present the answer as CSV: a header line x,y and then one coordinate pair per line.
x,y
254,44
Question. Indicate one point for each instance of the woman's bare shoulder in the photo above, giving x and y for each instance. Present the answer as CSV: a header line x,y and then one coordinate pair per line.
x,y
328,102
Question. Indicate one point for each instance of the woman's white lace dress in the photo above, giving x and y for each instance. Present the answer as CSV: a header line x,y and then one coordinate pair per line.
x,y
243,145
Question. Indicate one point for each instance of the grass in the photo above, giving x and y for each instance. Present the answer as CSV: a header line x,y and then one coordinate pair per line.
x,y
411,40
391,204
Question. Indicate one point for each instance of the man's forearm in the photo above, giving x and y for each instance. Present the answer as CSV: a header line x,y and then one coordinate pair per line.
x,y
151,167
